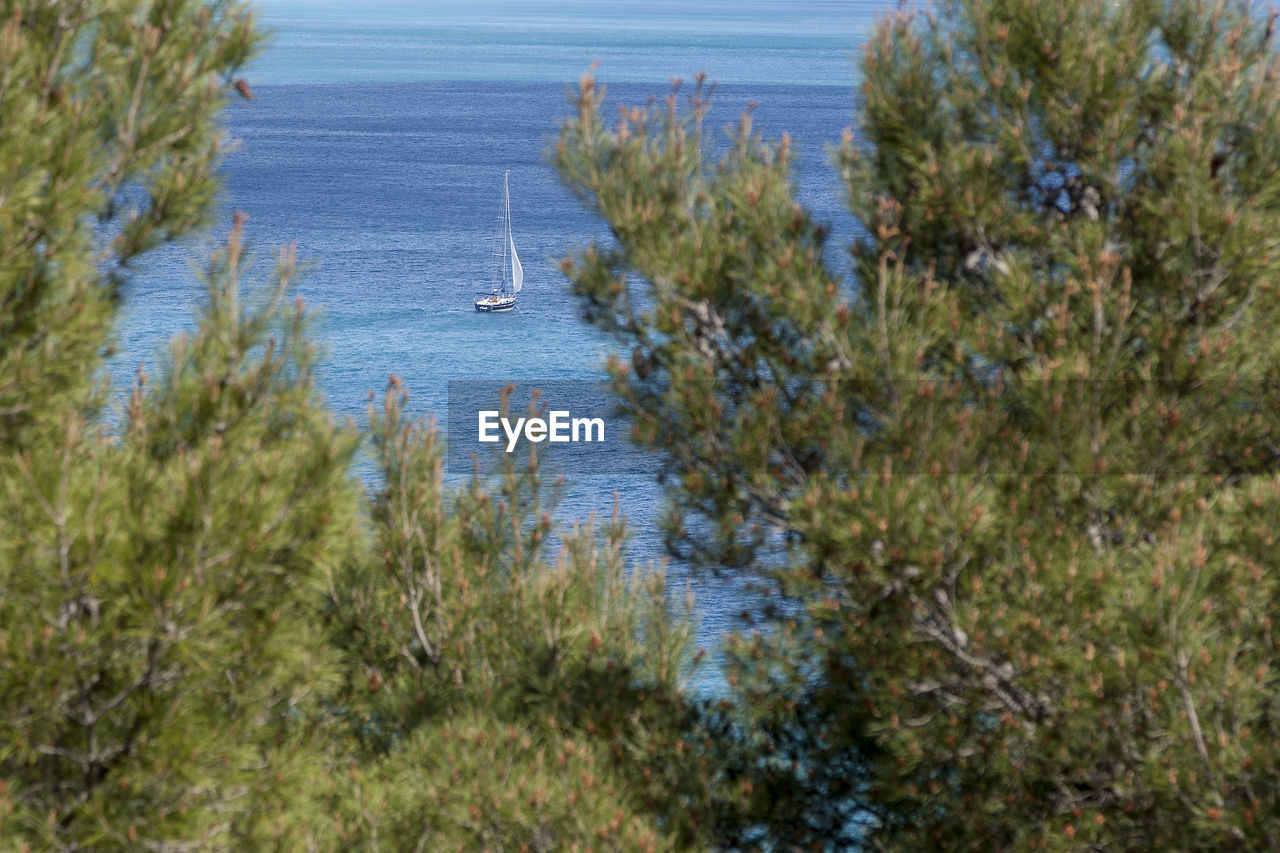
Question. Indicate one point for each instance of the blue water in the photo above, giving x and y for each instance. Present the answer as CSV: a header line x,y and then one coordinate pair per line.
x,y
378,139
771,42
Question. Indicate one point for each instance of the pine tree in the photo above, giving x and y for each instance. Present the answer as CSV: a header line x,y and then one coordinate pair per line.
x,y
159,574
110,145
1015,488
211,636
161,659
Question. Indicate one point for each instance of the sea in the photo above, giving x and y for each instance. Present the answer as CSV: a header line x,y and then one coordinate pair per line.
x,y
377,140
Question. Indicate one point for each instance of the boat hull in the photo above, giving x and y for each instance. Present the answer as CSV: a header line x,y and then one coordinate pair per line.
x,y
495,304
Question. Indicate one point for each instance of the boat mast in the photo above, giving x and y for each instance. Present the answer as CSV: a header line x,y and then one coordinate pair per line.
x,y
506,225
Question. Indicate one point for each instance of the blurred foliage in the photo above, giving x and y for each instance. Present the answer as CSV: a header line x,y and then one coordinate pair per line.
x,y
108,147
1010,496
1015,488
529,702
211,636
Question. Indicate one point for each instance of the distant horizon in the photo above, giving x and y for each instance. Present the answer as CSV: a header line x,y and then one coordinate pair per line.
x,y
748,42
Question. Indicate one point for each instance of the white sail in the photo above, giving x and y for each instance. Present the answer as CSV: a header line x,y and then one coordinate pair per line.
x,y
517,272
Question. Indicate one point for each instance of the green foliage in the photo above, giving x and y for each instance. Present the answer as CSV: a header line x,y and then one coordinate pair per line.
x,y
544,699
108,147
211,637
1024,471
160,655
484,784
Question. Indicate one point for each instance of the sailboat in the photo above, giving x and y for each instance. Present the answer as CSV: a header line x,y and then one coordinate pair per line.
x,y
508,276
